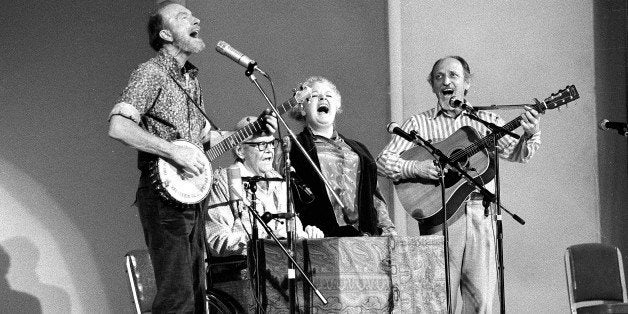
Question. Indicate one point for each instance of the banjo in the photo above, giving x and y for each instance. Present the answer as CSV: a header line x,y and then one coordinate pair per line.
x,y
165,175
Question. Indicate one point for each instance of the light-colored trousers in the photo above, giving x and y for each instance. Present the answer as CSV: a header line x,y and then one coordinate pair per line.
x,y
472,263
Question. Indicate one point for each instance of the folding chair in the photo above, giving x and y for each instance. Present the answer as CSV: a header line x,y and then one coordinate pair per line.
x,y
139,268
595,279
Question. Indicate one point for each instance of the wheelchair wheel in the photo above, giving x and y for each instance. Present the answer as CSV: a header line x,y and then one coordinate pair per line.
x,y
219,302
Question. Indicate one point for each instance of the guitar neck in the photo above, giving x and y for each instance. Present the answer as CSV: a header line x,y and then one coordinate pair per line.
x,y
489,139
562,97
240,135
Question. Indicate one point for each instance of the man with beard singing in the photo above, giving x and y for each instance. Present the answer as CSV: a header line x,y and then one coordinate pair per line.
x,y
162,102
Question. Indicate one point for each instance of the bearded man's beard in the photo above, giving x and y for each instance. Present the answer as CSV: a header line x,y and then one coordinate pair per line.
x,y
189,44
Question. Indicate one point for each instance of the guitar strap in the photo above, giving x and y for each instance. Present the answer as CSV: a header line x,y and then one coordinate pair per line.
x,y
158,119
211,123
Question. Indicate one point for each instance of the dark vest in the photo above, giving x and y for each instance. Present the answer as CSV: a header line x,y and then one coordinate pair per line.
x,y
319,212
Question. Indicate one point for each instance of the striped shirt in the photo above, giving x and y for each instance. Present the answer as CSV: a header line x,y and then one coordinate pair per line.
x,y
436,125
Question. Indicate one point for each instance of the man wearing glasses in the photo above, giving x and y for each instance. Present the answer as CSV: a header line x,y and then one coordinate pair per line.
x,y
228,225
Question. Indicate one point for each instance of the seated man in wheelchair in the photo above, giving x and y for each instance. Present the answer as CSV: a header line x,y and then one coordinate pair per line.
x,y
229,223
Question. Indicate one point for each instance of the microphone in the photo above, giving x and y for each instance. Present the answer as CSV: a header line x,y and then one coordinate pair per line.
x,y
393,128
267,217
238,57
255,179
236,189
301,187
457,103
622,128
287,143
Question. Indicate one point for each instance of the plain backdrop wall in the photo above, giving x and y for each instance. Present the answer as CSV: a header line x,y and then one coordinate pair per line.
x,y
66,189
517,51
611,55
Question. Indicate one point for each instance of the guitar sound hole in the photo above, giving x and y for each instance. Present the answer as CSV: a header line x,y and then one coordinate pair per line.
x,y
452,176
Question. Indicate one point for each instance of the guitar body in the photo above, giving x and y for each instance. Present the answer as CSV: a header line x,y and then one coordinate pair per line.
x,y
172,186
421,198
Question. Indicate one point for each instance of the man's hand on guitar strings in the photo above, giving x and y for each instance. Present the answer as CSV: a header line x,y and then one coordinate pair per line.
x,y
269,121
426,169
530,121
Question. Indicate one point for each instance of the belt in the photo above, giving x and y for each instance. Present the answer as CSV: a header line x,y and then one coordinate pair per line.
x,y
475,196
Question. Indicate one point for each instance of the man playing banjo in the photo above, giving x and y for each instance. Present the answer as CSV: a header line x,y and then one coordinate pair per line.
x,y
162,103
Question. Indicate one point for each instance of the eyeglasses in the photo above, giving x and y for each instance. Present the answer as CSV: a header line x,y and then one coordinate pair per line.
x,y
261,146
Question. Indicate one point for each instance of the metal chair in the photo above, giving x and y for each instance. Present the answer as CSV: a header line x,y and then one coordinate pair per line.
x,y
139,268
595,279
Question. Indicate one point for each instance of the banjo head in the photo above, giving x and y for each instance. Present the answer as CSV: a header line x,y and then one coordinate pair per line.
x,y
173,186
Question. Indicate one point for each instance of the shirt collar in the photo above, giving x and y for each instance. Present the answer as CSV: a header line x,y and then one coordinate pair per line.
x,y
190,69
245,172
334,137
439,111
172,66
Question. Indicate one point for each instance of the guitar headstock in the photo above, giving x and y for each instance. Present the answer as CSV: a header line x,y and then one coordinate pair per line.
x,y
558,99
302,94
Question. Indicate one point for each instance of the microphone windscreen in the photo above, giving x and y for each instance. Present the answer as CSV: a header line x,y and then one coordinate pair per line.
x,y
236,190
455,102
391,127
287,142
221,46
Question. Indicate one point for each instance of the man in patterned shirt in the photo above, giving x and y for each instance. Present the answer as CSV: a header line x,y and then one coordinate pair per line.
x,y
471,241
346,164
162,102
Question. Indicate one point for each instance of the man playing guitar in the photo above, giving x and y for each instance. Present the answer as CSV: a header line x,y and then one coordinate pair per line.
x,y
471,240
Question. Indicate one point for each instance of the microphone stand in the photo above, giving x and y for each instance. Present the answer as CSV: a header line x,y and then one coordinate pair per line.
x,y
442,160
492,126
259,308
498,214
264,225
290,224
296,142
500,231
290,254
441,179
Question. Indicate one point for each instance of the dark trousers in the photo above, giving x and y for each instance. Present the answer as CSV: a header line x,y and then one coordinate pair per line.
x,y
175,241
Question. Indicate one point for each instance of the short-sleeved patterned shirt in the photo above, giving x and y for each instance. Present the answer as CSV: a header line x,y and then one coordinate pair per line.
x,y
158,98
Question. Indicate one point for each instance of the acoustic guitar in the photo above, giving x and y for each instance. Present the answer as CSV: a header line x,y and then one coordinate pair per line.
x,y
421,197
171,186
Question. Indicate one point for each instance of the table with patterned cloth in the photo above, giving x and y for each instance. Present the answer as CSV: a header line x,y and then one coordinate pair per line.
x,y
358,275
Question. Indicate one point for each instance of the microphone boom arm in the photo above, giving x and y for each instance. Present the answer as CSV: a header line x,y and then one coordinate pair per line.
x,y
291,281
296,142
